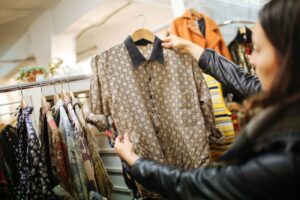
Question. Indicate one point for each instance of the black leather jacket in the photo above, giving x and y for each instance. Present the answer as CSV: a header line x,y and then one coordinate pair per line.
x,y
231,76
263,163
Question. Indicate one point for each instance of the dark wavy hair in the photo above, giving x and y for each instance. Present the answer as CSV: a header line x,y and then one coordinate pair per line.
x,y
280,20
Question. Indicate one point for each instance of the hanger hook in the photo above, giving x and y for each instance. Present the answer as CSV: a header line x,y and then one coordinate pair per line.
x,y
41,86
53,85
68,83
21,90
144,17
61,84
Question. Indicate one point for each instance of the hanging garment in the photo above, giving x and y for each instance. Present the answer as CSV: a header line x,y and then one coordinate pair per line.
x,y
59,156
6,190
187,27
241,48
163,103
81,141
102,178
202,30
74,152
62,194
47,146
34,181
9,143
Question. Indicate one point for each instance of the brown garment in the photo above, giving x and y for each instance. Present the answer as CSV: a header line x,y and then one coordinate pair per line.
x,y
58,149
81,142
241,48
163,103
187,27
104,183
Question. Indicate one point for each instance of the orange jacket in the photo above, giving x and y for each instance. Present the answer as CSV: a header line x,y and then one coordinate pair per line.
x,y
186,27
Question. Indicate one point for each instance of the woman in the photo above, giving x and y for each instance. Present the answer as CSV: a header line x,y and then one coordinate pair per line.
x,y
264,162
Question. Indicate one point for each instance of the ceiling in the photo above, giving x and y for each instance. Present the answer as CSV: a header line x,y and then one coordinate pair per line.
x,y
16,17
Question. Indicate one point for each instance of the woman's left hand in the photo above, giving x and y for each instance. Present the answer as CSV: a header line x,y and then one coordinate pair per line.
x,y
124,148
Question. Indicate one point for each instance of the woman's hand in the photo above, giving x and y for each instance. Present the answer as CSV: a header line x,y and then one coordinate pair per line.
x,y
182,45
124,148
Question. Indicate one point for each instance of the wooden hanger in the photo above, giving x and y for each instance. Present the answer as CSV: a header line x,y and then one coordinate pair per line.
x,y
143,33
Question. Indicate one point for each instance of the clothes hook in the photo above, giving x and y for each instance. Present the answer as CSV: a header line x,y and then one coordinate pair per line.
x,y
53,85
41,86
67,79
21,90
61,85
144,17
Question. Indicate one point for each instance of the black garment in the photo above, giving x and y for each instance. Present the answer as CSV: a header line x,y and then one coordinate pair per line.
x,y
137,58
229,74
201,24
47,147
34,181
264,163
9,142
6,184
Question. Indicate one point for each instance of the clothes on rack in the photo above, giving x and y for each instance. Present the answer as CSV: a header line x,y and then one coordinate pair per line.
x,y
59,154
79,135
34,180
75,158
160,98
51,164
241,48
9,175
102,178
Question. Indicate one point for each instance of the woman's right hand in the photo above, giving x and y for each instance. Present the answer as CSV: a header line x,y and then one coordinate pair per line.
x,y
182,45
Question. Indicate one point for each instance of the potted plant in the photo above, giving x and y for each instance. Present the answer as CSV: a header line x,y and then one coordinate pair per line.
x,y
30,73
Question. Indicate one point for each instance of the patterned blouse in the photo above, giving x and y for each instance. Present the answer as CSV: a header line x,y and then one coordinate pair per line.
x,y
160,98
34,182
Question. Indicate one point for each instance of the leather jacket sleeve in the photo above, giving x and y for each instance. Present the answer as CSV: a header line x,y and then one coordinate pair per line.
x,y
269,176
229,74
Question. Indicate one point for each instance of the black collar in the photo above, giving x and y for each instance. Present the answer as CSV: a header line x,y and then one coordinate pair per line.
x,y
137,58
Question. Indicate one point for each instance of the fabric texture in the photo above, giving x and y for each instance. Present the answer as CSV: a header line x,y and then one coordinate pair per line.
x,y
6,190
81,141
104,183
241,48
202,30
34,180
9,142
79,177
47,147
60,151
159,97
186,26
166,109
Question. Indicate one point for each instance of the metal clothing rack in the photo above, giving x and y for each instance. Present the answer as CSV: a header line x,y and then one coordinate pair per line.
x,y
54,81
235,21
